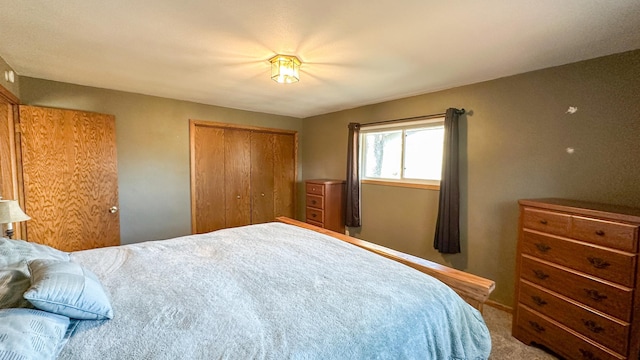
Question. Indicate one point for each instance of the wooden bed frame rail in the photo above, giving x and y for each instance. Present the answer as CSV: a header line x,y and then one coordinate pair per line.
x,y
472,288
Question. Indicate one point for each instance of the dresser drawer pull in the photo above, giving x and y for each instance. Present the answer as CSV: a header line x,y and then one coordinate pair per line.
x,y
593,326
538,300
543,222
595,295
313,202
598,263
543,247
537,327
588,355
314,215
540,274
599,232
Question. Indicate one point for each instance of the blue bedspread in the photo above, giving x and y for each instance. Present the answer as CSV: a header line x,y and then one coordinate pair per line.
x,y
271,291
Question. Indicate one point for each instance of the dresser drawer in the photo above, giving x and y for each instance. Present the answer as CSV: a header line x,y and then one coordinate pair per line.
x,y
315,223
564,340
613,300
315,189
607,331
610,234
315,201
615,266
545,221
315,215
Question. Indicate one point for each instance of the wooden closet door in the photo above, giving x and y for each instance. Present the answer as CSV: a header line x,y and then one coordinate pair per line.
x,y
208,182
237,177
262,181
255,171
284,171
70,178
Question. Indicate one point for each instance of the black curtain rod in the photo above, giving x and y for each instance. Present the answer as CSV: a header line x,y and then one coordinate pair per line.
x,y
460,112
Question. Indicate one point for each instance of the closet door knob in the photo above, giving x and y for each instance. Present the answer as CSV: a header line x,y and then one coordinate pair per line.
x,y
262,194
238,197
113,209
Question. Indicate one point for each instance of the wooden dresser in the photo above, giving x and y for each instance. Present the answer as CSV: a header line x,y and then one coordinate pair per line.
x,y
577,280
326,203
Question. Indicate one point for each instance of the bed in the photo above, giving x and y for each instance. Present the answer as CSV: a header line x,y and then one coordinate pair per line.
x,y
282,290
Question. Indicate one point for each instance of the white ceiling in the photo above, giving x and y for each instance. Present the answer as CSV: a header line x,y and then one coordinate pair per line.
x,y
354,52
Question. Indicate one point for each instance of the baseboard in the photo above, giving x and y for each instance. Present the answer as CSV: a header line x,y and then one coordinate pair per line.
x,y
499,306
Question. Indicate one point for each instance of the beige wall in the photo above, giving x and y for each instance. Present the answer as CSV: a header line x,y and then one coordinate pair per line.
x,y
152,136
514,135
14,87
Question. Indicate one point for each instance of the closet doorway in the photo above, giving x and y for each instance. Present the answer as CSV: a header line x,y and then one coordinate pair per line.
x,y
240,175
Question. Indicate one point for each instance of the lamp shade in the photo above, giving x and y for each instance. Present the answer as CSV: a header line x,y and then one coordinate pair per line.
x,y
11,212
285,69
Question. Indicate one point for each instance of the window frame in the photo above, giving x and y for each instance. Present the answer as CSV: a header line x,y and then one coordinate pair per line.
x,y
403,126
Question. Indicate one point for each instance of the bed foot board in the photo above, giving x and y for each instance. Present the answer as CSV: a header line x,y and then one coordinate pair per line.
x,y
473,289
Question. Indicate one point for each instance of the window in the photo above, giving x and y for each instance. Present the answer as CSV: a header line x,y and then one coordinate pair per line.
x,y
410,153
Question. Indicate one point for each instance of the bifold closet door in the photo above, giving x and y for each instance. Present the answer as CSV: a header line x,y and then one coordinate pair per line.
x,y
284,174
70,177
262,207
237,177
272,176
208,191
221,175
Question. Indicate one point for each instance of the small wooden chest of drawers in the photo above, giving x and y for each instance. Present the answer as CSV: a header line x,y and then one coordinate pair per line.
x,y
577,280
326,203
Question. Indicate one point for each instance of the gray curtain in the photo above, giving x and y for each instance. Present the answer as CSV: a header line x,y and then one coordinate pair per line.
x,y
353,177
447,237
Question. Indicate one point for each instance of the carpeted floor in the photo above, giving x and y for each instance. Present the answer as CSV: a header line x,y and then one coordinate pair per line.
x,y
505,346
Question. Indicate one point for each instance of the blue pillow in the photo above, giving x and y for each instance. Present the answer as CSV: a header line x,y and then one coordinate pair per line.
x,y
14,275
31,334
68,289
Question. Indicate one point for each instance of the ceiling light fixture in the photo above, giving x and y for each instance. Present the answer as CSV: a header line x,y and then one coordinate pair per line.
x,y
285,69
